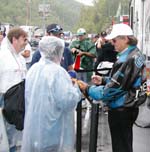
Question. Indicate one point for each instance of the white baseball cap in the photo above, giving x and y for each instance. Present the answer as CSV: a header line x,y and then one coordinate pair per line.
x,y
81,31
119,30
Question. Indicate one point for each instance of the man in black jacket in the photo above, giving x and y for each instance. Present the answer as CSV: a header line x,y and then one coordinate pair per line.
x,y
124,90
105,51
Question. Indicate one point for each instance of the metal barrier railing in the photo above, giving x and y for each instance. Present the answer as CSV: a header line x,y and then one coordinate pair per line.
x,y
94,128
79,127
93,123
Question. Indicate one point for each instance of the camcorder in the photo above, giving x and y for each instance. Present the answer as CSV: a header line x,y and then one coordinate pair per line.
x,y
77,48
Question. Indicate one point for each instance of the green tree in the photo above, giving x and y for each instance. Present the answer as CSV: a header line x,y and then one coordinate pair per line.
x,y
63,12
100,16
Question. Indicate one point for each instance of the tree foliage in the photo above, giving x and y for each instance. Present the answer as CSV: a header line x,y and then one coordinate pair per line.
x,y
68,13
19,12
100,16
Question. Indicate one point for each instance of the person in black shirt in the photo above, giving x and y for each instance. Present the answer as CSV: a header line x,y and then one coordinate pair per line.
x,y
105,51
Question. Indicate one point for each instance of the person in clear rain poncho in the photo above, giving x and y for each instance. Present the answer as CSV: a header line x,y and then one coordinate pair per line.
x,y
50,100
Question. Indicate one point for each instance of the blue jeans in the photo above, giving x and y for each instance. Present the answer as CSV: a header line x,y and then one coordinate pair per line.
x,y
1,100
13,149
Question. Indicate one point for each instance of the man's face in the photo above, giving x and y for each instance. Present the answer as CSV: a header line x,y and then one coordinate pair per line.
x,y
54,34
20,43
1,37
81,37
94,39
120,43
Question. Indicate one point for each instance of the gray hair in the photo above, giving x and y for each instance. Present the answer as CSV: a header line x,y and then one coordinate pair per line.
x,y
52,48
132,40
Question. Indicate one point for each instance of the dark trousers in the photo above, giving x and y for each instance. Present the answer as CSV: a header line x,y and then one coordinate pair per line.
x,y
121,124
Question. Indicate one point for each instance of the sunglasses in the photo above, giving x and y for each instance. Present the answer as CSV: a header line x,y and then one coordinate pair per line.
x,y
114,40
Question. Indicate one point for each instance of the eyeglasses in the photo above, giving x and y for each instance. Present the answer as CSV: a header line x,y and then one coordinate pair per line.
x,y
114,40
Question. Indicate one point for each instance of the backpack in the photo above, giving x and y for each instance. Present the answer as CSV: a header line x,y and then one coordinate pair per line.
x,y
14,105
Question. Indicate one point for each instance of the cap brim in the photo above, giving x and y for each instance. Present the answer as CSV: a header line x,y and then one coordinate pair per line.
x,y
57,32
80,34
110,37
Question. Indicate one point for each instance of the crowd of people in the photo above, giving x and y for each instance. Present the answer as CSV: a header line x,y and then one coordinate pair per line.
x,y
52,91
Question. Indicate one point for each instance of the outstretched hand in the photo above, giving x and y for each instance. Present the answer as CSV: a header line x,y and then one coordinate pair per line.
x,y
96,79
82,85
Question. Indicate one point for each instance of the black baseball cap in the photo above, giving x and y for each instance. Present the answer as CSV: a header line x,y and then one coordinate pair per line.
x,y
103,34
54,28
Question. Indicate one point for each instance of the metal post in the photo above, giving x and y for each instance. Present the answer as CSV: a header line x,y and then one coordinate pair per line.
x,y
27,12
30,7
94,128
143,19
43,16
79,127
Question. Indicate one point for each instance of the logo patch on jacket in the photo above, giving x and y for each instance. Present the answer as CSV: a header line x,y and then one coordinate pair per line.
x,y
139,61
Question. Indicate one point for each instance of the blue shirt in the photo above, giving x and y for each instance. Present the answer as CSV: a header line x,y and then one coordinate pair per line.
x,y
66,61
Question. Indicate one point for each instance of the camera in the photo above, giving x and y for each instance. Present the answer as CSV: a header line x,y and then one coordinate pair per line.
x,y
76,51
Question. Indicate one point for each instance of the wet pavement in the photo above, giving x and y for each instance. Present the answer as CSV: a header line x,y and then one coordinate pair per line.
x,y
141,136
141,139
